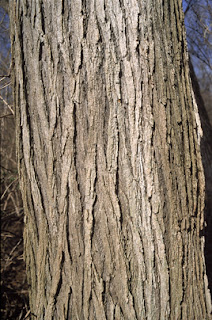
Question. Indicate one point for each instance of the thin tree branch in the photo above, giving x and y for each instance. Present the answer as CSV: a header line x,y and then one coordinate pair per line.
x,y
7,104
188,7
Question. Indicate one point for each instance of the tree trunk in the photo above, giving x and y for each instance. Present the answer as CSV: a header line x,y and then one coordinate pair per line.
x,y
108,138
206,152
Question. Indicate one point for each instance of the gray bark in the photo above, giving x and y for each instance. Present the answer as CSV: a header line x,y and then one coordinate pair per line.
x,y
206,152
108,138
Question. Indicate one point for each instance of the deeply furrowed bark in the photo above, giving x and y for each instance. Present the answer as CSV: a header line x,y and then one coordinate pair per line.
x,y
108,137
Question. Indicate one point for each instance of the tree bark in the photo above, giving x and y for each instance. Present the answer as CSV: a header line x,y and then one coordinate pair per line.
x,y
108,138
206,152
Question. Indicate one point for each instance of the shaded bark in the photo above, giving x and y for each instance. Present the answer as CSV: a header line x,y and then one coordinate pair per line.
x,y
206,152
108,138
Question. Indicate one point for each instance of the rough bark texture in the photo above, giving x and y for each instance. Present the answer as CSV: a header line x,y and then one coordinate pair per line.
x,y
108,137
206,152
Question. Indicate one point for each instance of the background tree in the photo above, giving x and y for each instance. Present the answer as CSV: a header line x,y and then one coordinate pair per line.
x,y
198,17
109,159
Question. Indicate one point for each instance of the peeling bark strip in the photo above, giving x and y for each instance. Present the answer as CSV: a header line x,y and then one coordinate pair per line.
x,y
109,160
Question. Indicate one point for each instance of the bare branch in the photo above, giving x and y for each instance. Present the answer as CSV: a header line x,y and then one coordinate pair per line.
x,y
188,7
7,104
5,5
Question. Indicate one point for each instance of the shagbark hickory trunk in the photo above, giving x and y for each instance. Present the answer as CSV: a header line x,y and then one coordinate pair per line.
x,y
108,138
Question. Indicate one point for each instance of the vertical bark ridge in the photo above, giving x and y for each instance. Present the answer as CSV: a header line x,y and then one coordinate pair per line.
x,y
109,159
